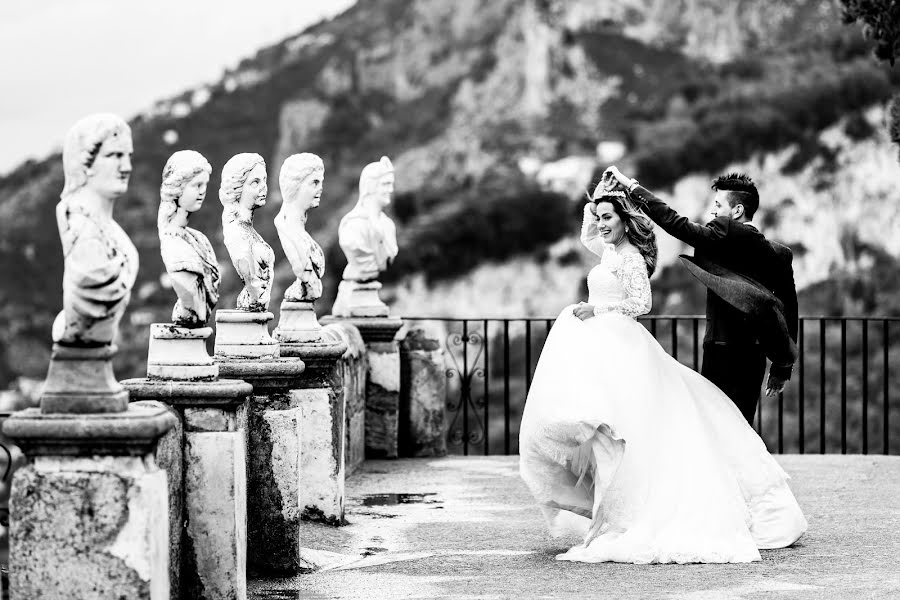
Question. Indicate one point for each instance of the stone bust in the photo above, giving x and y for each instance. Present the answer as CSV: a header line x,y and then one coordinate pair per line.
x,y
242,191
301,179
187,254
366,235
100,262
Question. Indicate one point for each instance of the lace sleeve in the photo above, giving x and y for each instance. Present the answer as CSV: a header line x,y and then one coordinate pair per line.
x,y
590,233
634,278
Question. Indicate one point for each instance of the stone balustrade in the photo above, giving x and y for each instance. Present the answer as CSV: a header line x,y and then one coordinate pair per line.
x,y
178,484
259,433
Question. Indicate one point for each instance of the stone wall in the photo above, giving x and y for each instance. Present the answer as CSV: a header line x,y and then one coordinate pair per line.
x,y
199,464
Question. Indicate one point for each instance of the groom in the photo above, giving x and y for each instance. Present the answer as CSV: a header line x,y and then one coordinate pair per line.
x,y
751,301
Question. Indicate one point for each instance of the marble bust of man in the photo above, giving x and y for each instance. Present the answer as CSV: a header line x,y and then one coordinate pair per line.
x,y
187,254
301,179
367,236
243,190
100,262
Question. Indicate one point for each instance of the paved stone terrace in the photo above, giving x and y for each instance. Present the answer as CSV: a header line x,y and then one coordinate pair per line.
x,y
467,529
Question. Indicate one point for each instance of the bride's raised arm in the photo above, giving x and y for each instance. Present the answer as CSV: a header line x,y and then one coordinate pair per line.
x,y
590,232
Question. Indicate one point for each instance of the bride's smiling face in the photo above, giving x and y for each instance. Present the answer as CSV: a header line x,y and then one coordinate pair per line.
x,y
608,222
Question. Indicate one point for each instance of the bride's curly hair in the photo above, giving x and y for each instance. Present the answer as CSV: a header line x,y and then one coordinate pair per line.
x,y
639,227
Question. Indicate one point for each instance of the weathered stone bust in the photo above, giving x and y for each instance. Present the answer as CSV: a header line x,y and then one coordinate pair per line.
x,y
369,241
367,236
100,262
301,179
187,254
243,190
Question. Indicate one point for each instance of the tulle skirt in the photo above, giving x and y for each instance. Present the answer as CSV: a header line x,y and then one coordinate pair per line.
x,y
644,457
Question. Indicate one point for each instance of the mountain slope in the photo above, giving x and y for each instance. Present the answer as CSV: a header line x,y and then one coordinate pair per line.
x,y
459,95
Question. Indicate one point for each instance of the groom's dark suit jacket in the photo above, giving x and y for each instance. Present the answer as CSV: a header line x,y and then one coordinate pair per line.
x,y
744,250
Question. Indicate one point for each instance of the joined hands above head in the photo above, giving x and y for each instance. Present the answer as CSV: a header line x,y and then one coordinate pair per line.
x,y
628,182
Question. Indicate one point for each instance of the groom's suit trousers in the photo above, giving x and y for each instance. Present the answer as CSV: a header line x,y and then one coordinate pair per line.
x,y
738,370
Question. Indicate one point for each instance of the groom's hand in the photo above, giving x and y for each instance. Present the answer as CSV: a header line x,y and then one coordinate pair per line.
x,y
584,311
774,386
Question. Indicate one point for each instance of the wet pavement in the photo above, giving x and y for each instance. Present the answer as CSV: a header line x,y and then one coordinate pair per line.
x,y
465,527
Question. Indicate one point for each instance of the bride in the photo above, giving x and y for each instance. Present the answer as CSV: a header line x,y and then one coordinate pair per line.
x,y
621,443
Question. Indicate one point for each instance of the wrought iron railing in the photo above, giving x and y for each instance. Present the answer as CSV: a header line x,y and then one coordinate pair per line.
x,y
838,400
8,453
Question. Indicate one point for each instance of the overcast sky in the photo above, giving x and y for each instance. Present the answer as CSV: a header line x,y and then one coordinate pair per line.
x,y
63,59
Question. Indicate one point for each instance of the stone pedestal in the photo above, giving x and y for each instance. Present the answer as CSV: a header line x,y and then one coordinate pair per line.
x,y
89,507
208,484
357,299
353,368
169,457
179,353
81,381
423,396
242,334
382,382
321,400
274,480
298,323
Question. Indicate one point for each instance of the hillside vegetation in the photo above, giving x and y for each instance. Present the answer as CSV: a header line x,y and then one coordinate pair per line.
x,y
458,94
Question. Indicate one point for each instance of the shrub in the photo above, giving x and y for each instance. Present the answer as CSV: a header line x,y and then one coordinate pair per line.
x,y
894,119
857,127
762,116
881,22
453,240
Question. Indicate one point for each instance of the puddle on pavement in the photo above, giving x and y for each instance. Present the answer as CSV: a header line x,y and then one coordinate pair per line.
x,y
373,550
286,595
374,515
395,499
276,595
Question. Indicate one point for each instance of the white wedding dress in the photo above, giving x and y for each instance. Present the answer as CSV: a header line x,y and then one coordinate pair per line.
x,y
656,461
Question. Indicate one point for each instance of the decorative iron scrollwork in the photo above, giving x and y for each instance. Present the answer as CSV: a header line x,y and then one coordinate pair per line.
x,y
467,407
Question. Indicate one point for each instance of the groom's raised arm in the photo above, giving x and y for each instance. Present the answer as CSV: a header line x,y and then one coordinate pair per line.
x,y
678,226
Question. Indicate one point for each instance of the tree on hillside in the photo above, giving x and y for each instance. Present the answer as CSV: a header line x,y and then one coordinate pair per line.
x,y
881,23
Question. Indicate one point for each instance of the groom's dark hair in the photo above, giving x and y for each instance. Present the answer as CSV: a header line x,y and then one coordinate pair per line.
x,y
741,190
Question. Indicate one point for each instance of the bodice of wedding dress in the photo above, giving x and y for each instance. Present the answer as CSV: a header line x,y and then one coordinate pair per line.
x,y
620,282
